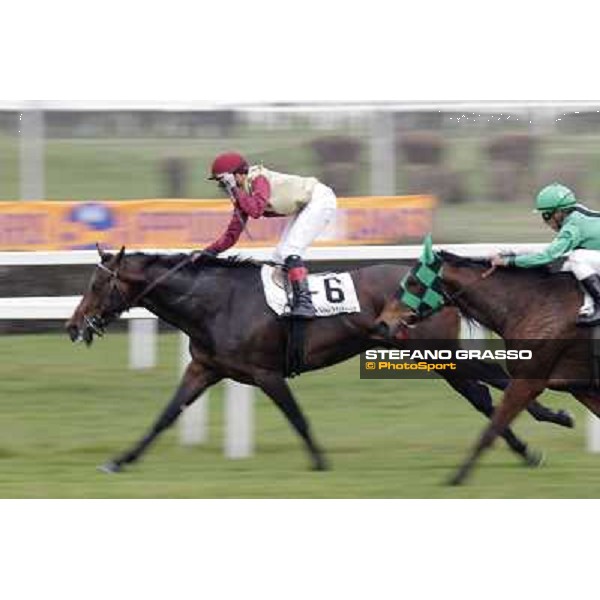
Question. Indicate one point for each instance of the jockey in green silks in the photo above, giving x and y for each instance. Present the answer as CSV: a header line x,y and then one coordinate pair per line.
x,y
578,241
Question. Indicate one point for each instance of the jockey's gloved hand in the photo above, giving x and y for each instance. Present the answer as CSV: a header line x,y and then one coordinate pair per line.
x,y
198,254
498,261
227,182
503,259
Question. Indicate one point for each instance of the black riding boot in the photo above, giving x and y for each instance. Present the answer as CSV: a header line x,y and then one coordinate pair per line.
x,y
302,306
591,285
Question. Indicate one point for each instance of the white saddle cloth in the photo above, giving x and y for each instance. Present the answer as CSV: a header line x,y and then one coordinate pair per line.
x,y
332,293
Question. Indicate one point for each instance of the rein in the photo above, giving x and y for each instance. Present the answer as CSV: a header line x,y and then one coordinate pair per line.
x,y
452,297
130,303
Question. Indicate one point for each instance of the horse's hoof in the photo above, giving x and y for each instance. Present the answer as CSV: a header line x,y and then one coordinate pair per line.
x,y
535,458
320,464
110,467
456,480
565,419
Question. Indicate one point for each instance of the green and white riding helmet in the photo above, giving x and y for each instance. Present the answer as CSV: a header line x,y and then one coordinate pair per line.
x,y
554,197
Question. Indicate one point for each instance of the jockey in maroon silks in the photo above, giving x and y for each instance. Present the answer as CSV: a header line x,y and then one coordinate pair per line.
x,y
259,192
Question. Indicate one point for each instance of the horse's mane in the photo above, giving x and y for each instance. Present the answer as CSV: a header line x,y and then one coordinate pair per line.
x,y
462,261
205,261
542,272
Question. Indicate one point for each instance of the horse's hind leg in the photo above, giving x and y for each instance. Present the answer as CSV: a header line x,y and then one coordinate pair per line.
x,y
517,396
544,414
480,398
194,381
493,374
276,387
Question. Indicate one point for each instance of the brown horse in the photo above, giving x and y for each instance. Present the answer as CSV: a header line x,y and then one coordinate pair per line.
x,y
531,309
220,304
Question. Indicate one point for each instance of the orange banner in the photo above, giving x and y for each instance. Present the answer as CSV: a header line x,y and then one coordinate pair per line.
x,y
139,224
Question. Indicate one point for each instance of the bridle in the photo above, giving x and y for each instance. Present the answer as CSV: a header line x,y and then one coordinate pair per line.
x,y
127,304
114,279
95,322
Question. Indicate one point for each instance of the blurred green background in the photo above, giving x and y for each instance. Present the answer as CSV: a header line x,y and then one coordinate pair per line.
x,y
483,166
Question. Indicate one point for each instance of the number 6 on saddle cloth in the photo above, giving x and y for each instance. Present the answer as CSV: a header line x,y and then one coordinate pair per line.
x,y
332,293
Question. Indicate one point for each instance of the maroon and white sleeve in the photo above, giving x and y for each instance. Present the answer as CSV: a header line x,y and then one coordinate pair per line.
x,y
254,203
231,234
247,205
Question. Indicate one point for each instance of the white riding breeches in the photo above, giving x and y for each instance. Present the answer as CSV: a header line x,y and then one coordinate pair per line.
x,y
307,224
583,263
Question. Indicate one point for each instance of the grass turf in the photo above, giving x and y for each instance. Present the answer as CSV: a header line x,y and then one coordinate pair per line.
x,y
65,409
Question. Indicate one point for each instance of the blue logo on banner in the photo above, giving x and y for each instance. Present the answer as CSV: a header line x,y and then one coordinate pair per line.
x,y
93,216
96,216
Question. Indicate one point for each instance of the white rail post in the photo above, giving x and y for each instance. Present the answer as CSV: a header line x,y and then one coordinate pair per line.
x,y
193,422
593,433
142,343
239,420
31,155
593,422
383,154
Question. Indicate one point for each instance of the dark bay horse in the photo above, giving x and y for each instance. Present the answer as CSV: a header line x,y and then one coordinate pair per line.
x,y
531,309
220,304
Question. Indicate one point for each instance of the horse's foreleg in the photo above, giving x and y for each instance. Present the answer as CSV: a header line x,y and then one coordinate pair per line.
x,y
517,396
480,398
276,387
195,380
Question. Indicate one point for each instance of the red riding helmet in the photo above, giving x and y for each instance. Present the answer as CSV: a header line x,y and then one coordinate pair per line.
x,y
228,162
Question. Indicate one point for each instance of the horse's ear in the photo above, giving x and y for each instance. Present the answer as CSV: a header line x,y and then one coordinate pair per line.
x,y
100,251
120,255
